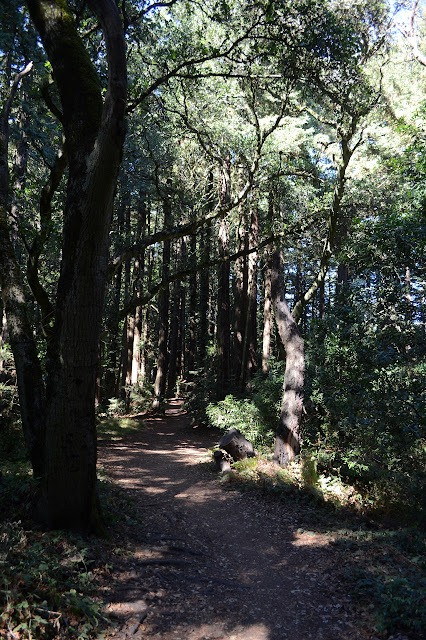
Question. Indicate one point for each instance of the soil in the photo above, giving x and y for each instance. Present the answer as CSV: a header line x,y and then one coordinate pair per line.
x,y
207,563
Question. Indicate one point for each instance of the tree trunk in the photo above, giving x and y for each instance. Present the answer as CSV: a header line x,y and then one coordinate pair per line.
x,y
240,293
138,343
181,353
174,337
204,295
162,361
249,359
129,320
267,300
267,324
407,295
223,306
94,133
321,301
192,311
288,435
113,330
28,370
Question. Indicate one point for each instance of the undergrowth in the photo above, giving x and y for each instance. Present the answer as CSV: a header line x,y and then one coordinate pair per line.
x,y
54,585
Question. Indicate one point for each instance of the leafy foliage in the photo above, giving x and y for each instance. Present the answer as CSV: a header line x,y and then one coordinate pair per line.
x,y
389,575
366,419
256,416
52,583
49,581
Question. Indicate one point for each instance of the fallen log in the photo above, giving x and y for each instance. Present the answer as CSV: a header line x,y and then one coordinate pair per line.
x,y
222,463
237,445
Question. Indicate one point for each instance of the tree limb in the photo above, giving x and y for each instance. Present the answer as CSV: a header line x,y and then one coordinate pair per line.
x,y
37,246
412,36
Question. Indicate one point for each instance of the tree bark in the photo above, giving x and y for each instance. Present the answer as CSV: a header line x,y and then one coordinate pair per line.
x,y
192,312
240,293
267,301
204,296
223,306
139,270
28,369
162,360
129,320
249,355
94,132
174,333
288,435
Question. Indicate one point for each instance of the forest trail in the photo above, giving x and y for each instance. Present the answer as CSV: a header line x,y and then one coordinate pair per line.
x,y
207,563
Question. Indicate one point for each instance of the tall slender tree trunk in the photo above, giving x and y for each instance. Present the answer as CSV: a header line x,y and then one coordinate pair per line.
x,y
223,303
267,300
204,296
137,344
162,361
288,434
407,295
113,330
267,320
144,333
139,274
249,359
321,301
174,332
20,335
182,352
192,311
240,293
129,320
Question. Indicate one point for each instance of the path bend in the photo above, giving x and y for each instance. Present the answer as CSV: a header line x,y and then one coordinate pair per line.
x,y
207,563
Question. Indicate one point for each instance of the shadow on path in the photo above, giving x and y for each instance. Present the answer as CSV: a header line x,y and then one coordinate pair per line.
x,y
206,563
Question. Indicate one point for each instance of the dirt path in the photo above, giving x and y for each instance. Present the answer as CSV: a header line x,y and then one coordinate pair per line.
x,y
207,563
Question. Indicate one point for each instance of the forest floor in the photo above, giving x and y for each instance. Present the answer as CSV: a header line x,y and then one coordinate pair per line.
x,y
201,562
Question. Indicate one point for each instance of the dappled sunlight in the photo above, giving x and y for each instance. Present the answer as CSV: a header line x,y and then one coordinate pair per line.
x,y
309,539
212,553
196,494
216,631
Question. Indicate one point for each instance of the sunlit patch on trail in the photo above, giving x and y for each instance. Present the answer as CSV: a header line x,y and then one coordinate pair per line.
x,y
309,539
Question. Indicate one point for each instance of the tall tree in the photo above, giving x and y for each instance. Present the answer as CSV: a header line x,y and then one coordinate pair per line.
x,y
164,303
94,134
223,301
288,434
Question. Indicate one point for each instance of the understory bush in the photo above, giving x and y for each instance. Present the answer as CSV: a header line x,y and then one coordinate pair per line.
x,y
47,586
255,416
366,409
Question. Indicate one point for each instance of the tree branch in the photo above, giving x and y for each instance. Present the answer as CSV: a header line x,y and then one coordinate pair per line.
x,y
333,217
35,250
411,36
